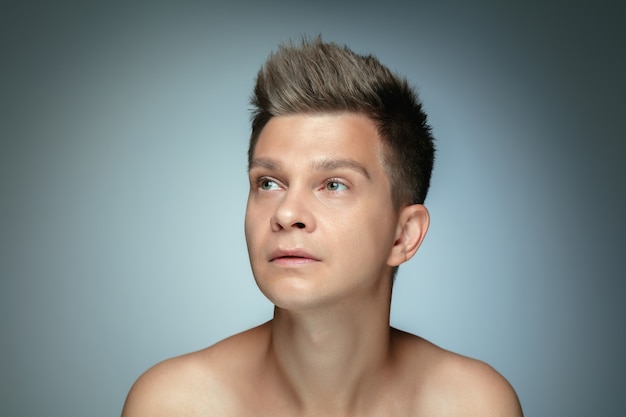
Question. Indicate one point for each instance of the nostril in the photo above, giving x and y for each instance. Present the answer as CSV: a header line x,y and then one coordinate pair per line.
x,y
299,225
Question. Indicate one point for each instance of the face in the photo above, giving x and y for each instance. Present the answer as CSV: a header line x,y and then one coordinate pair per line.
x,y
320,223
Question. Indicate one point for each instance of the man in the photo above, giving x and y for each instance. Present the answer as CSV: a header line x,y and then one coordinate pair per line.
x,y
340,160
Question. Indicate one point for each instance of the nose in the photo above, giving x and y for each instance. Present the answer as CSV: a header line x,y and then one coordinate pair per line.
x,y
293,212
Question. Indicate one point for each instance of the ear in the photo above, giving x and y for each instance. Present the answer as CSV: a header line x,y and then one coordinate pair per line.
x,y
412,226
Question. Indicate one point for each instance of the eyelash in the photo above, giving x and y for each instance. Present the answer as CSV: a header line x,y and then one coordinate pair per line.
x,y
259,182
334,181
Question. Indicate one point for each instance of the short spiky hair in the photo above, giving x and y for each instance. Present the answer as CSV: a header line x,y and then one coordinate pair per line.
x,y
318,77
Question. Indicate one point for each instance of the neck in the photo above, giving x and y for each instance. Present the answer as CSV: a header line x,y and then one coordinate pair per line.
x,y
335,358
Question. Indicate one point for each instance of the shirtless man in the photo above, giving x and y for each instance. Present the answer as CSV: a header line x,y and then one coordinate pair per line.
x,y
340,160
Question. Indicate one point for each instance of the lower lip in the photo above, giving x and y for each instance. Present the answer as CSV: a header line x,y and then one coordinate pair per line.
x,y
287,261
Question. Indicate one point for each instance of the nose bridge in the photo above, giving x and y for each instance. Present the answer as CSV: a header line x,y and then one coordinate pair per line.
x,y
293,211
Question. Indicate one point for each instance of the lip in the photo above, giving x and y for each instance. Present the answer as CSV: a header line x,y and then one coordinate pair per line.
x,y
292,257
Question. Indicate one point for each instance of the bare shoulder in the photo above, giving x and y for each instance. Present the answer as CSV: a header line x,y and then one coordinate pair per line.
x,y
456,385
196,384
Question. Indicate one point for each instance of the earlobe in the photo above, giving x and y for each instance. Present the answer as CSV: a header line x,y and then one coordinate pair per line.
x,y
413,224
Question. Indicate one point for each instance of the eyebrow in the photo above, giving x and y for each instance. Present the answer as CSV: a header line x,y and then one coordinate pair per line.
x,y
326,164
266,163
333,164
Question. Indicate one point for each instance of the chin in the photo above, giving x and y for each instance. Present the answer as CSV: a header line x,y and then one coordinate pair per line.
x,y
292,293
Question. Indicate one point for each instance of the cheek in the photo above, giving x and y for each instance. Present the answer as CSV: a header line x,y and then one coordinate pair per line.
x,y
377,234
364,232
256,228
250,225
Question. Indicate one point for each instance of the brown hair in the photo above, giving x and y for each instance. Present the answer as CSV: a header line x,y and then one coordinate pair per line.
x,y
316,76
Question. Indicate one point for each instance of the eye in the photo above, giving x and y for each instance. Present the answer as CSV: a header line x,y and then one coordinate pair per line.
x,y
267,184
335,186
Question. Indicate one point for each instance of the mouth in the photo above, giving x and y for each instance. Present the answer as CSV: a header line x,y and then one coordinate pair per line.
x,y
292,257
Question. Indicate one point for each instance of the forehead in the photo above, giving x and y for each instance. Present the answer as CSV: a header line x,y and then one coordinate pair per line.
x,y
305,137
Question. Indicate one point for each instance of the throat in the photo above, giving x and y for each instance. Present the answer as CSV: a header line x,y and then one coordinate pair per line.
x,y
339,362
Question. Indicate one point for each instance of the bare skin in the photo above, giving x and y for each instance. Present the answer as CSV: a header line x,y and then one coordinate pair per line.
x,y
323,239
420,379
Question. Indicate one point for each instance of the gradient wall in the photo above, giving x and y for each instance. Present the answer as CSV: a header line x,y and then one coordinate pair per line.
x,y
122,161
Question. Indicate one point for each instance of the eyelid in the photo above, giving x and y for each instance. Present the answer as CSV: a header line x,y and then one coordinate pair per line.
x,y
263,178
257,181
338,181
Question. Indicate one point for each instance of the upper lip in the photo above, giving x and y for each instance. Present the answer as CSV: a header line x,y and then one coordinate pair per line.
x,y
292,253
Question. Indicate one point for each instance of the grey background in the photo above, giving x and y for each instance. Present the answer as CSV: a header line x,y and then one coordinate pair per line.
x,y
122,180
